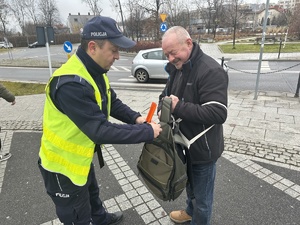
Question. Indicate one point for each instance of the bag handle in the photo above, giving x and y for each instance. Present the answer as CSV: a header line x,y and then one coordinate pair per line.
x,y
166,110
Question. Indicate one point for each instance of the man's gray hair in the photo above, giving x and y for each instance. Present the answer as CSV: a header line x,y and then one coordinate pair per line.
x,y
180,32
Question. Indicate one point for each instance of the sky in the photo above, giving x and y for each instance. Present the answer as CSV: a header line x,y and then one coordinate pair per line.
x,y
76,6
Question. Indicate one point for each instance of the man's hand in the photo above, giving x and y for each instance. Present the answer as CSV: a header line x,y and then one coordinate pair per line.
x,y
156,129
159,114
140,120
175,100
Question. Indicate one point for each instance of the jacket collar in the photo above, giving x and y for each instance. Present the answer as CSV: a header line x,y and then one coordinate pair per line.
x,y
93,68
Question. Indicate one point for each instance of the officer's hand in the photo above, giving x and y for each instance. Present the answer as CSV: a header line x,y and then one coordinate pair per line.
x,y
156,129
140,120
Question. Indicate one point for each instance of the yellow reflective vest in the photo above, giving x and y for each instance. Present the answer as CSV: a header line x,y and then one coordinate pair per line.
x,y
65,149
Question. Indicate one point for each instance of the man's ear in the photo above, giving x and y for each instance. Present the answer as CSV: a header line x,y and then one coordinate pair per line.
x,y
92,47
189,42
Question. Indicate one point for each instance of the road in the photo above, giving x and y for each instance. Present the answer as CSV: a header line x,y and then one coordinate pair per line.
x,y
279,76
242,75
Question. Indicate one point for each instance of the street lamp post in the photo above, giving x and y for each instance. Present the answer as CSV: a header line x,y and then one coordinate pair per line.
x,y
261,49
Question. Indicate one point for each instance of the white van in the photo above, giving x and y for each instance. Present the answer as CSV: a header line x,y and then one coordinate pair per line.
x,y
4,44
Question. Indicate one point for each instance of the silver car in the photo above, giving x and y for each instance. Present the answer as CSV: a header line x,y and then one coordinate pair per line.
x,y
150,64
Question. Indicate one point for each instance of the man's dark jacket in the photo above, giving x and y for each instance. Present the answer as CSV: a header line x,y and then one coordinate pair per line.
x,y
201,87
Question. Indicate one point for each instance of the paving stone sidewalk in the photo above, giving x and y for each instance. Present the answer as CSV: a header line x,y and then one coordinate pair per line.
x,y
267,128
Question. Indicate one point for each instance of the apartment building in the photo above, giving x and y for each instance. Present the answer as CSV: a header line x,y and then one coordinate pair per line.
x,y
76,22
288,4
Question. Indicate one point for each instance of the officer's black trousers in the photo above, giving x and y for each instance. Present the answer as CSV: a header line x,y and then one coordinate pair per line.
x,y
75,205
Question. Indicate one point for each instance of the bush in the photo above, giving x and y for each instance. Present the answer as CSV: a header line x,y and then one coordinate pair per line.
x,y
141,45
23,41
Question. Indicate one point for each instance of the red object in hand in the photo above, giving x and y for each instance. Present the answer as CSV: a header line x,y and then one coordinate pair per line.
x,y
151,112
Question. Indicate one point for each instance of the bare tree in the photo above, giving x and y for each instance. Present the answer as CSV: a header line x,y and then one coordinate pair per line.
x,y
280,20
4,11
153,9
30,29
233,15
94,5
211,12
49,12
171,11
135,24
32,10
26,13
19,10
118,8
176,11
218,14
294,23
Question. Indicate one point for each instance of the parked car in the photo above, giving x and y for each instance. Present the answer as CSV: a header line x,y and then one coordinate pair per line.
x,y
35,45
150,64
4,44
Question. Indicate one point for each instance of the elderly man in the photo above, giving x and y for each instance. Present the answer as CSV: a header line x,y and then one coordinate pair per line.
x,y
197,86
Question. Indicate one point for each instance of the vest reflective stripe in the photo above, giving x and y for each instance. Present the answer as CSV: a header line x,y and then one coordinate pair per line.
x,y
67,146
70,151
60,161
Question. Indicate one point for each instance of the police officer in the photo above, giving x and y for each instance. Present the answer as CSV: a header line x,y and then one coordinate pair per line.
x,y
79,102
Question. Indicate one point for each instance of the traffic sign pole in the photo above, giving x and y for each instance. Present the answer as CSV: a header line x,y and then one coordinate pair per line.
x,y
48,51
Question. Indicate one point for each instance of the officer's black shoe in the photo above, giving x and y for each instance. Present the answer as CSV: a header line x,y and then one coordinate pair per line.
x,y
114,218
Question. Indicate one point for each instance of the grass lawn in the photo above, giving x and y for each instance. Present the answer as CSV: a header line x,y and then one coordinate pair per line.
x,y
255,48
19,89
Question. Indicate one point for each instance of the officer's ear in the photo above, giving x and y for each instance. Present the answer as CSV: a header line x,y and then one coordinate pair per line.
x,y
92,47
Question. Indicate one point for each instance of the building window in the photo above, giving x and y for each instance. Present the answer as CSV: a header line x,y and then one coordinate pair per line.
x,y
75,20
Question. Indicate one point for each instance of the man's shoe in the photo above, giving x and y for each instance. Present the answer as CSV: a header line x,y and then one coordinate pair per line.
x,y
180,216
4,157
115,218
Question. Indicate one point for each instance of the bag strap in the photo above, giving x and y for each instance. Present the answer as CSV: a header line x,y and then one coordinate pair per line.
x,y
166,110
180,138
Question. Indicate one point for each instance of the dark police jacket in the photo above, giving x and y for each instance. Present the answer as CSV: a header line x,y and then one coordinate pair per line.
x,y
201,87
